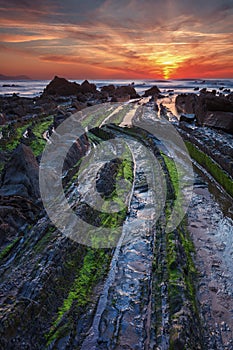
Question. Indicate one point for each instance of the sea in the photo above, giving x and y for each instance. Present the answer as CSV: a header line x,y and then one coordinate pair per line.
x,y
33,88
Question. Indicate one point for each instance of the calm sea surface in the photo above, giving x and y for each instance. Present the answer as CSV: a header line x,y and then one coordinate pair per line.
x,y
32,88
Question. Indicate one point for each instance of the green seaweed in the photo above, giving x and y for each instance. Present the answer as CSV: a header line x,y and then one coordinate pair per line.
x,y
9,248
170,164
14,139
212,167
94,266
125,172
39,143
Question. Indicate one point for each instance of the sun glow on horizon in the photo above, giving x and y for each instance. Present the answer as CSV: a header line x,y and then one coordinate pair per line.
x,y
169,64
168,69
134,41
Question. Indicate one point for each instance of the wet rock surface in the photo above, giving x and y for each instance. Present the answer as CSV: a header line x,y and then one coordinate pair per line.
x,y
58,294
211,232
209,109
153,91
217,144
21,174
106,178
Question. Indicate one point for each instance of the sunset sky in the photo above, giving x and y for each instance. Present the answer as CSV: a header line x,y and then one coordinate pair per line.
x,y
100,39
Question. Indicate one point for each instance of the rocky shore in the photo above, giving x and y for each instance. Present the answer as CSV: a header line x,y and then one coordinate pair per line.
x,y
207,109
50,286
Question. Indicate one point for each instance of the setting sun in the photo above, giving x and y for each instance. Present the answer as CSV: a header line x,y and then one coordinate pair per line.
x,y
111,41
168,69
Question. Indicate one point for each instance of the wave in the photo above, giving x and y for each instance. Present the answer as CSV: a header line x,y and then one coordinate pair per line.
x,y
34,88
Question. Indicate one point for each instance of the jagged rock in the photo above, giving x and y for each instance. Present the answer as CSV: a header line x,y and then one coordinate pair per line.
x,y
153,91
21,174
81,97
76,152
203,90
209,109
106,178
163,111
87,87
61,87
110,89
219,120
216,103
186,103
125,91
119,94
217,145
59,117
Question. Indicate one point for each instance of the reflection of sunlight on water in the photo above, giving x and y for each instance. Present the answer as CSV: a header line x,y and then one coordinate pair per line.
x,y
169,102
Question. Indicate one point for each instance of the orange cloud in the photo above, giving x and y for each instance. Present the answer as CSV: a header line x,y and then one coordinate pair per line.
x,y
133,39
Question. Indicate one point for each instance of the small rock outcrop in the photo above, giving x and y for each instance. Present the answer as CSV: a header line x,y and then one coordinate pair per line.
x,y
86,87
106,178
110,89
186,103
209,109
219,120
125,91
61,87
153,91
21,174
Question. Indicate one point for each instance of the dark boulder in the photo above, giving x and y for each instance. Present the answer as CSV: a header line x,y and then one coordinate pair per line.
x,y
110,89
106,178
153,91
209,109
163,111
186,103
203,90
81,97
219,120
86,87
21,174
61,87
126,91
216,103
59,117
76,152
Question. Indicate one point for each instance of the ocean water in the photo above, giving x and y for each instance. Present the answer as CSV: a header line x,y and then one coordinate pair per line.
x,y
32,88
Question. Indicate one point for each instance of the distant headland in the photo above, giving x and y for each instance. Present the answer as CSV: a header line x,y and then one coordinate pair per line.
x,y
17,77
